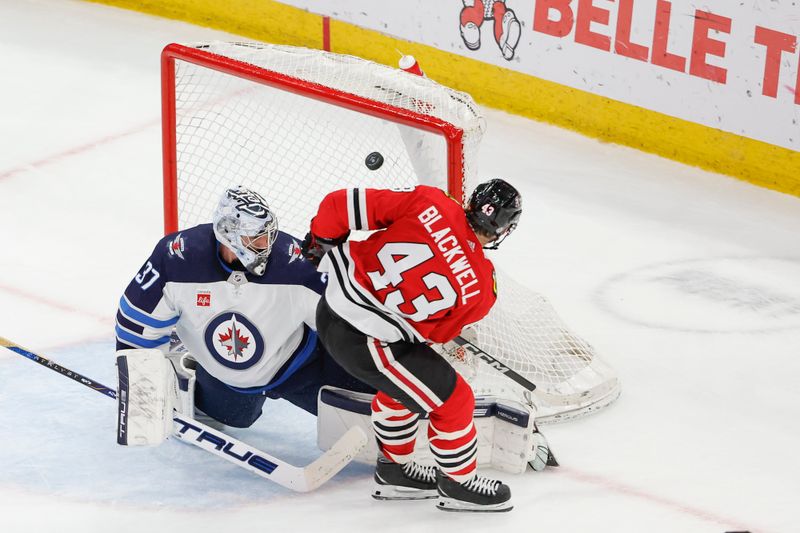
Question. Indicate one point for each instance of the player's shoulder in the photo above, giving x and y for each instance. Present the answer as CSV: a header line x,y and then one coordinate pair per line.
x,y
188,255
443,202
286,249
287,266
426,197
192,243
432,193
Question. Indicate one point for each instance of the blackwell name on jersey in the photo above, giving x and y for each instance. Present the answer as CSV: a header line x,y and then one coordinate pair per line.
x,y
421,280
448,245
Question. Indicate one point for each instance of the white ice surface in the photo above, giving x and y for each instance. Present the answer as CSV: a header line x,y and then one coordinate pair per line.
x,y
687,282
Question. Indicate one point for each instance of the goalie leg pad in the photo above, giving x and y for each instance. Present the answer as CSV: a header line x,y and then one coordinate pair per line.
x,y
508,438
517,441
146,396
338,410
512,445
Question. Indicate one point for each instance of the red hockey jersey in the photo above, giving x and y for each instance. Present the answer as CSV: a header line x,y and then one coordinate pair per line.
x,y
423,278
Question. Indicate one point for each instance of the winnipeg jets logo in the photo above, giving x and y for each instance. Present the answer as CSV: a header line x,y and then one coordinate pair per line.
x,y
294,252
234,341
176,246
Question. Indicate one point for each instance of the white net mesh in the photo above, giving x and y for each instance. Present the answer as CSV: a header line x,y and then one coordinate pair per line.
x,y
238,128
294,149
524,331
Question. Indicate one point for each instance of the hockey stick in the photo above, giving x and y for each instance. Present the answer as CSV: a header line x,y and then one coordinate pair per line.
x,y
300,479
495,363
508,372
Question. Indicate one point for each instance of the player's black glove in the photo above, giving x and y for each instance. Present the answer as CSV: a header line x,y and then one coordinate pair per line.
x,y
313,247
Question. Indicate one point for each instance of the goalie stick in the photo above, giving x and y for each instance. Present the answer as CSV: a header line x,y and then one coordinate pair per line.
x,y
300,479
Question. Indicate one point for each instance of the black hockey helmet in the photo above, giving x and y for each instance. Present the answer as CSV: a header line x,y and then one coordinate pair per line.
x,y
494,209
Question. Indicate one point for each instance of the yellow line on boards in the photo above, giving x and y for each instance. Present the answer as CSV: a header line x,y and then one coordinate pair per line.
x,y
754,161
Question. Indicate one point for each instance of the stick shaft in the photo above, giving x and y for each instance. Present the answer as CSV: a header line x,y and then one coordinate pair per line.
x,y
495,363
301,479
47,363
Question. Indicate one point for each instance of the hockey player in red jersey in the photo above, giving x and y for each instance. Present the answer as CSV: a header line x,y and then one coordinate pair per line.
x,y
420,280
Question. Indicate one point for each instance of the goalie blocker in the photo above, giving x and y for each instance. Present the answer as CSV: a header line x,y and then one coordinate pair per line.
x,y
150,386
508,438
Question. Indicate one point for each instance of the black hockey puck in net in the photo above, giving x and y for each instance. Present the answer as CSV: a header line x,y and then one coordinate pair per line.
x,y
374,161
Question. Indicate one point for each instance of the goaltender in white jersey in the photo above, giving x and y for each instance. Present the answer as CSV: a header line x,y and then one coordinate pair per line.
x,y
241,328
242,300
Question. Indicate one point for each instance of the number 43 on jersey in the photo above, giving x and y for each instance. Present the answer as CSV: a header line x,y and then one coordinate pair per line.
x,y
397,258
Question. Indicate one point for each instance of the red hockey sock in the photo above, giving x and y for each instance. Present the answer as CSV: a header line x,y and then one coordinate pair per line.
x,y
395,428
452,435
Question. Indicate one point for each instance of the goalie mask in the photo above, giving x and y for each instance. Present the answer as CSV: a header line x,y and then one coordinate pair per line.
x,y
244,223
494,209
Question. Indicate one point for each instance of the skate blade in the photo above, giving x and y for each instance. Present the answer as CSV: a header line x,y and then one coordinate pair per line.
x,y
458,506
390,492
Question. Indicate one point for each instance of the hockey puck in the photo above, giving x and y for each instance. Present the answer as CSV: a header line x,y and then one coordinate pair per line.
x,y
374,161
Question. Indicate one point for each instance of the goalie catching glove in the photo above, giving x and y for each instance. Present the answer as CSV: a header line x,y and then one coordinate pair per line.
x,y
314,248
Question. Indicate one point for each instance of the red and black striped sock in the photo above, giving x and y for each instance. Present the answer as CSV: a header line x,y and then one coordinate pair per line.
x,y
395,428
452,435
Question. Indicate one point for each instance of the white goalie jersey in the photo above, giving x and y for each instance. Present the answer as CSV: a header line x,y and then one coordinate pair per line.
x,y
247,331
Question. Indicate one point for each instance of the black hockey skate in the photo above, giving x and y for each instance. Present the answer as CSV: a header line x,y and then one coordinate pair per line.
x,y
410,481
478,495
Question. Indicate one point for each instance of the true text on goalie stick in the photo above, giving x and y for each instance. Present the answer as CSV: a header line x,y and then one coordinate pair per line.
x,y
301,479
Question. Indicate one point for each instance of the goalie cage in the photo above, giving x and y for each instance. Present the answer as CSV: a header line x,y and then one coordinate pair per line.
x,y
294,124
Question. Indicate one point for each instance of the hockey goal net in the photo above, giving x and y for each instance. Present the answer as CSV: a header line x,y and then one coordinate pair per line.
x,y
295,124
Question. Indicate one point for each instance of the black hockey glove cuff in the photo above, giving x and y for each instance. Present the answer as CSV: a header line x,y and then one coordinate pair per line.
x,y
314,248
